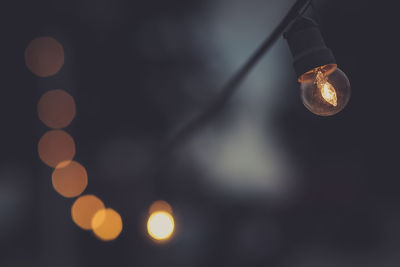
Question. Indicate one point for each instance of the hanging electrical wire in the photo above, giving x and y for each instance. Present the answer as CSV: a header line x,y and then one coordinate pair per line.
x,y
156,168
180,136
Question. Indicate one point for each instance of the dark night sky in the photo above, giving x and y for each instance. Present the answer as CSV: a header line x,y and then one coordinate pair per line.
x,y
258,186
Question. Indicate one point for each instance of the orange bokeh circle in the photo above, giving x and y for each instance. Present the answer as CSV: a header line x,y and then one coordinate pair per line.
x,y
160,205
56,109
56,146
107,224
44,56
84,209
69,180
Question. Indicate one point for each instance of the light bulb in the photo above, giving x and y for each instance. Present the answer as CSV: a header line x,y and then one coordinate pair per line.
x,y
325,90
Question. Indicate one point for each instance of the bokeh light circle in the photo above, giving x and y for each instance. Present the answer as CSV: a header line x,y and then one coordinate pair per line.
x,y
84,209
44,56
160,225
56,146
160,205
56,109
69,180
107,224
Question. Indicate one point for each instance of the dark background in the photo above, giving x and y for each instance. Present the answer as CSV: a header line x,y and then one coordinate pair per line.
x,y
266,183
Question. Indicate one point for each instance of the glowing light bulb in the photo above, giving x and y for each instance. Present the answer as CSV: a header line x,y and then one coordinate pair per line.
x,y
325,90
160,225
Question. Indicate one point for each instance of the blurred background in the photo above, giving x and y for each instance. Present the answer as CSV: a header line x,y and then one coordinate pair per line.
x,y
265,183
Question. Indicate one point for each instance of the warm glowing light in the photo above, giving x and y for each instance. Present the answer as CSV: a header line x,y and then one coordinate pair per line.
x,y
44,56
107,224
328,92
160,225
160,205
56,109
84,209
69,180
56,146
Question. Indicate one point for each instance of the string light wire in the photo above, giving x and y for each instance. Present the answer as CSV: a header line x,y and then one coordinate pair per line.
x,y
163,158
180,136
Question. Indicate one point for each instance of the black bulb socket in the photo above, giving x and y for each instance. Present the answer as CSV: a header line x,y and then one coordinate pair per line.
x,y
307,46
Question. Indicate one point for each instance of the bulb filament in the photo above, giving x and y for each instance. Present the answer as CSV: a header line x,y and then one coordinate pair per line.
x,y
328,92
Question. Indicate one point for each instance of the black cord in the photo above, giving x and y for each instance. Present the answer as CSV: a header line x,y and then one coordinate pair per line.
x,y
157,170
298,9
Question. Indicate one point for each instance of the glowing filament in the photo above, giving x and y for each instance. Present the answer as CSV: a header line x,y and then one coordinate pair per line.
x,y
328,92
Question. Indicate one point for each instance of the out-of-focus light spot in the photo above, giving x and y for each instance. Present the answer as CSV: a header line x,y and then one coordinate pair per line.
x,y
84,209
160,225
98,219
244,151
56,109
107,224
70,180
160,205
56,146
44,56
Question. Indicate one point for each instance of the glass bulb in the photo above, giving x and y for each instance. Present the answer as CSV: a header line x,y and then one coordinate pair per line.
x,y
325,90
